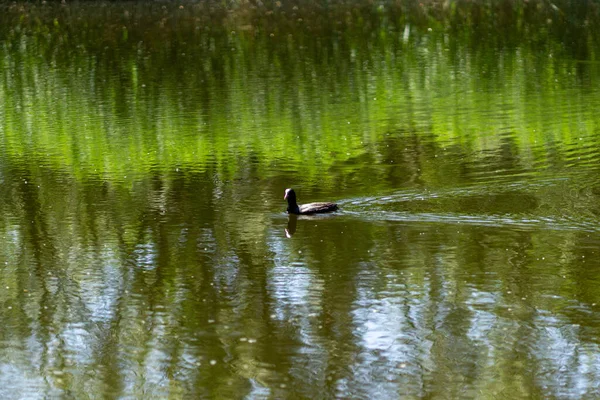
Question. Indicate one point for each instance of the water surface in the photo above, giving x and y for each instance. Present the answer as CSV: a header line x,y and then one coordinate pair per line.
x,y
145,149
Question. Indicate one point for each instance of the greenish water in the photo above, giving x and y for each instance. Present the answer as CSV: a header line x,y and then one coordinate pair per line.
x,y
145,149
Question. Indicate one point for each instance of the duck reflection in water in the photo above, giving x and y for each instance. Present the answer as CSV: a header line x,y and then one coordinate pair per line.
x,y
291,225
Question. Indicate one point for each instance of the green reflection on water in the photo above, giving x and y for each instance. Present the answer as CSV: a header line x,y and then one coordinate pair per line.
x,y
144,153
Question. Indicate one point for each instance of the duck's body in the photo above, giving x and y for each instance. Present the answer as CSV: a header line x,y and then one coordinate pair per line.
x,y
303,209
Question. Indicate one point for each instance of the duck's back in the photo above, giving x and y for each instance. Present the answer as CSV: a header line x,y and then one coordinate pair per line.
x,y
315,208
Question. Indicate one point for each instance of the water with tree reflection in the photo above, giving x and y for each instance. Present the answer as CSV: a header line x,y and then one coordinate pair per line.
x,y
144,153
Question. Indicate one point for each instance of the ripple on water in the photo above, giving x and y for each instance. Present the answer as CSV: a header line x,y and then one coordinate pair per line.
x,y
407,206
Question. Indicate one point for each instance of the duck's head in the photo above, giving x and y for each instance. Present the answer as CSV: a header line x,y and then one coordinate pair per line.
x,y
290,195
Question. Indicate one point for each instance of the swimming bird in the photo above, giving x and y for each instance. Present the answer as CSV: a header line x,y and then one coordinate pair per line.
x,y
311,208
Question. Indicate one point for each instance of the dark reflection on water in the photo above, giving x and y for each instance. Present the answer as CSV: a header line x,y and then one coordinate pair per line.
x,y
111,284
146,251
291,225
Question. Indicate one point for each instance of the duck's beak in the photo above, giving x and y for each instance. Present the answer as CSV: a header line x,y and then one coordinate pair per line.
x,y
286,194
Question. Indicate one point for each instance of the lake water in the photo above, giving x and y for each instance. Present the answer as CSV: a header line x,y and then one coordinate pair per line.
x,y
146,253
